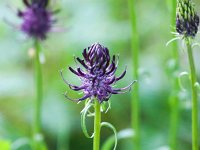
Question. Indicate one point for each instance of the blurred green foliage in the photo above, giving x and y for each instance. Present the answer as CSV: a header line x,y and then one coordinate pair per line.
x,y
85,22
5,145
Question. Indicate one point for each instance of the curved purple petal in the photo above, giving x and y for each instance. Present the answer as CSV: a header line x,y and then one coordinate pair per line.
x,y
81,72
111,68
111,81
77,100
82,62
121,76
85,55
73,71
124,88
70,85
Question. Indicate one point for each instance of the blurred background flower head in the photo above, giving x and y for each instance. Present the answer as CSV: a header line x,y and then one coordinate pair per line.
x,y
187,20
37,18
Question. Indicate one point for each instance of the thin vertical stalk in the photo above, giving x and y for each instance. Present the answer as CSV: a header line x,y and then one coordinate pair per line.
x,y
97,126
135,93
174,99
173,23
39,91
194,96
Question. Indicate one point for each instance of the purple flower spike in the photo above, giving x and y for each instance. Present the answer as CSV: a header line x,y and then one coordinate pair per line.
x,y
187,20
37,19
97,74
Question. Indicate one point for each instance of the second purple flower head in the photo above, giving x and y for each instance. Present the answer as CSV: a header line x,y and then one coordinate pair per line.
x,y
97,74
37,18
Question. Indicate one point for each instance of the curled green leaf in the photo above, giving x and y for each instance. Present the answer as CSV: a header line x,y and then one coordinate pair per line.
x,y
105,106
195,44
181,75
109,125
84,113
123,134
172,40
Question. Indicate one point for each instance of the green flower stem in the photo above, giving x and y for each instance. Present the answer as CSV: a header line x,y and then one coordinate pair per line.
x,y
174,99
135,93
194,96
38,101
97,126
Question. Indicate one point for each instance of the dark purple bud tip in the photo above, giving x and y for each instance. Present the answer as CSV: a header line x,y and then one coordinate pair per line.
x,y
37,19
97,74
187,20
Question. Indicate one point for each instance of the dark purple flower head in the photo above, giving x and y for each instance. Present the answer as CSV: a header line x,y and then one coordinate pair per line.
x,y
98,75
187,20
37,19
